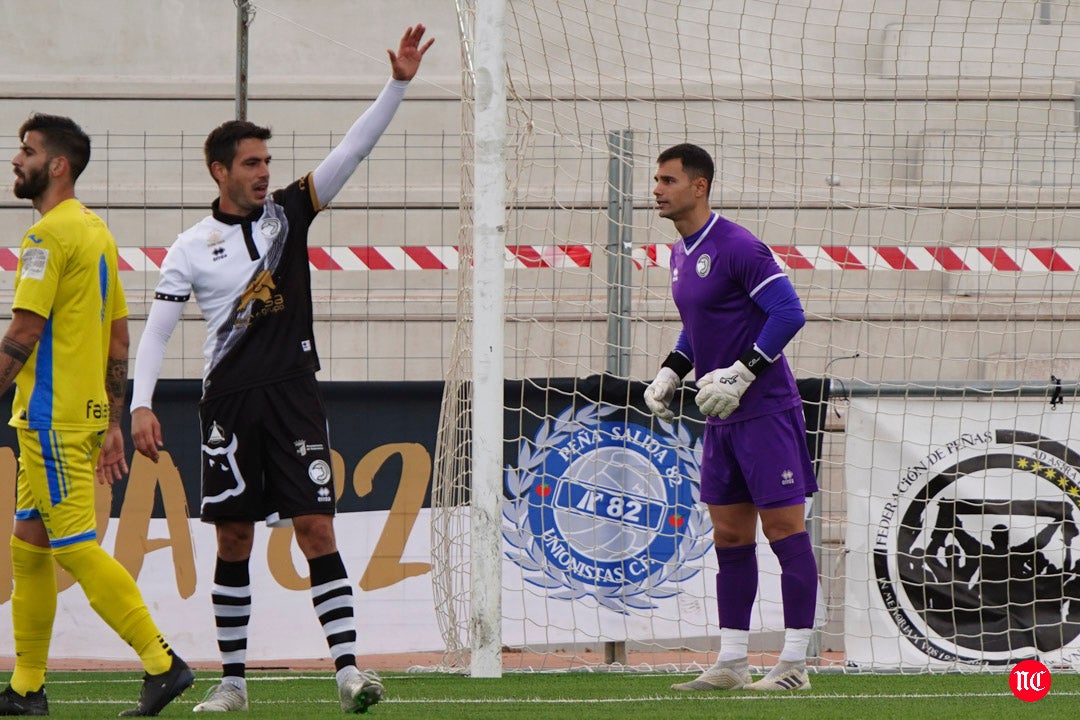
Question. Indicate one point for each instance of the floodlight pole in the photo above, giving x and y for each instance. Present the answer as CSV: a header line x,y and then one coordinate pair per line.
x,y
244,16
620,212
620,238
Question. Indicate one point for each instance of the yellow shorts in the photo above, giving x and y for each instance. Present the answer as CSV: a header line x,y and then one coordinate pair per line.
x,y
56,482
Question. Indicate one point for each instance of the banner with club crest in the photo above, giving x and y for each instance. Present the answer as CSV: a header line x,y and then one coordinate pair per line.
x,y
963,533
606,537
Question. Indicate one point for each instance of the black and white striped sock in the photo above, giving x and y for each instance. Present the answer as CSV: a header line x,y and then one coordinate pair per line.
x,y
231,596
332,596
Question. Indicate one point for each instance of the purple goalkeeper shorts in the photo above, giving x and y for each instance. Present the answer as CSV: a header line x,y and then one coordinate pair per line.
x,y
762,460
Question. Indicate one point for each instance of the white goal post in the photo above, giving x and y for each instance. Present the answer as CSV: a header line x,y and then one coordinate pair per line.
x,y
913,165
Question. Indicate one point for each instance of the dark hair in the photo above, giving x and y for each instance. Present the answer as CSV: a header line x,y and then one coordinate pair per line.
x,y
695,161
62,137
221,143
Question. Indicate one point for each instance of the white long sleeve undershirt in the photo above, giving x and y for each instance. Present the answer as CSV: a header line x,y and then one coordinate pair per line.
x,y
341,163
160,323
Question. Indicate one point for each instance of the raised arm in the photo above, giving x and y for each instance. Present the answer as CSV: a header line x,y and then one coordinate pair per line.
x,y
406,61
332,173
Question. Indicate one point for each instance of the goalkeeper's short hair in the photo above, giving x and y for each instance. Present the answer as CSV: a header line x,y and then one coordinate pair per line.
x,y
696,161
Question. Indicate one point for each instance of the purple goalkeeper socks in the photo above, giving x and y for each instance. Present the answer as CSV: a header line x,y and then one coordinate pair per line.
x,y
798,579
736,585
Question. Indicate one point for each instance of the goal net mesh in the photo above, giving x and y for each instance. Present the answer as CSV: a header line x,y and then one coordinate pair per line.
x,y
913,166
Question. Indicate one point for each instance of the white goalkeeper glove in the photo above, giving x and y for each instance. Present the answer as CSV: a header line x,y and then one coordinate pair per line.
x,y
719,391
661,392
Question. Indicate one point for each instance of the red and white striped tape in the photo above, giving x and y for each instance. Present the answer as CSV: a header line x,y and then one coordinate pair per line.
x,y
982,259
896,257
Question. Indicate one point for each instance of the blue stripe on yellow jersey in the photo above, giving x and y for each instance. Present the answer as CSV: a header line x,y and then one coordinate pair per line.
x,y
41,400
53,459
67,274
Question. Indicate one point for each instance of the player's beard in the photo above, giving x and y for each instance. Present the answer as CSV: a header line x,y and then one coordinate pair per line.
x,y
34,183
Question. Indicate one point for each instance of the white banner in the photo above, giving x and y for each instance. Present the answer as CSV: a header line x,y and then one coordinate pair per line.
x,y
687,611
963,532
394,619
604,540
607,539
397,618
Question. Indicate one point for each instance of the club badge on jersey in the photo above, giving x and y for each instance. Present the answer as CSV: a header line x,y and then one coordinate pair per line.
x,y
270,227
703,266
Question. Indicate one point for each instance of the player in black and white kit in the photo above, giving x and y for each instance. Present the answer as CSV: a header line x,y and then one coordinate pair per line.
x,y
265,444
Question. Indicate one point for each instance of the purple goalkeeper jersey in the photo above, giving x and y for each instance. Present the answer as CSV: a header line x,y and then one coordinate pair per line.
x,y
715,275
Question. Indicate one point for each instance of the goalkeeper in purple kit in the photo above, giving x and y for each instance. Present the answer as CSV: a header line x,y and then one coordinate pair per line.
x,y
738,311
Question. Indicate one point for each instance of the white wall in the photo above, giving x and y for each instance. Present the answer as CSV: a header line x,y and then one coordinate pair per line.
x,y
831,132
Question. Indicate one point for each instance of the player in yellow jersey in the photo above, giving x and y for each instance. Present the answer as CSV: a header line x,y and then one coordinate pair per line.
x,y
66,350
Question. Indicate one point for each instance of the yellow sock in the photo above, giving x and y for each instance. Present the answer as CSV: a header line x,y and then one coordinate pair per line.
x,y
116,599
33,608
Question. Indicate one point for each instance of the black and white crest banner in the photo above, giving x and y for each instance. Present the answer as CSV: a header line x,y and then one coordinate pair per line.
x,y
963,533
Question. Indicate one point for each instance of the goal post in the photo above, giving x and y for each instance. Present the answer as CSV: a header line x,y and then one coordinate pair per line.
x,y
913,168
489,227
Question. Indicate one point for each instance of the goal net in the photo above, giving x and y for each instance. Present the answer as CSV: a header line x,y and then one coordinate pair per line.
x,y
913,166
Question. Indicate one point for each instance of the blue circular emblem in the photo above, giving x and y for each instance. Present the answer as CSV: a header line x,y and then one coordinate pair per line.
x,y
607,509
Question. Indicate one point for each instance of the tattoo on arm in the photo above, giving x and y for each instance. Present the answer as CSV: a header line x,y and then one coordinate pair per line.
x,y
9,368
14,348
115,387
13,355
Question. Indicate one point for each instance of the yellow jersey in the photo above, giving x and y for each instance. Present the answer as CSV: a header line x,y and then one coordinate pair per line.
x,y
67,274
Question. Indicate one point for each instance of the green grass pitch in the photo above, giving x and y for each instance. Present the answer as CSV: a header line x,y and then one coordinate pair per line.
x,y
588,696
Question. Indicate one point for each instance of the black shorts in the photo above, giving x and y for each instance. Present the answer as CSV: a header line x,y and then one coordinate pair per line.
x,y
266,454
